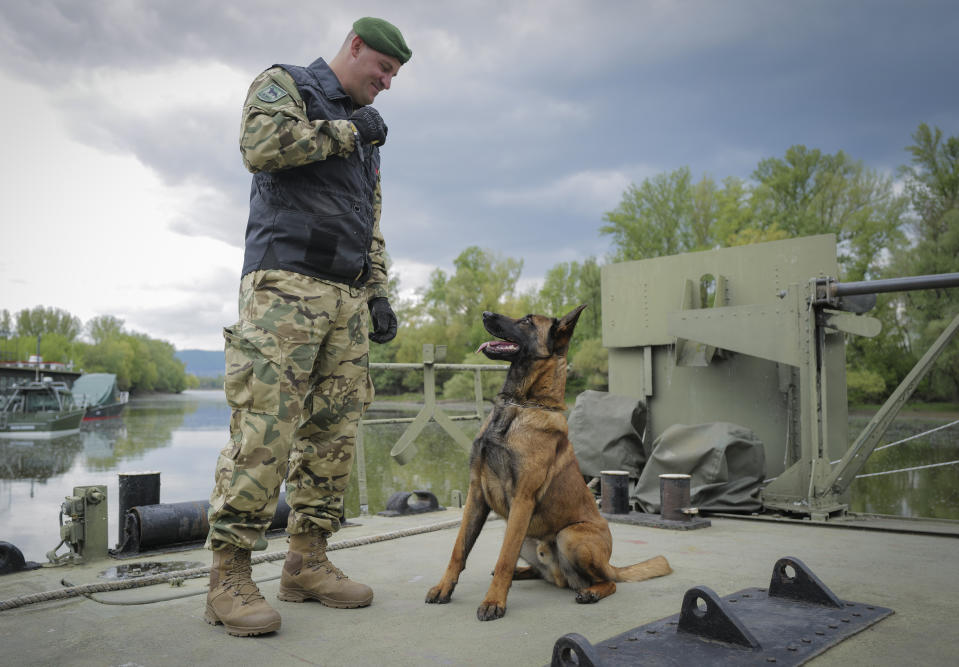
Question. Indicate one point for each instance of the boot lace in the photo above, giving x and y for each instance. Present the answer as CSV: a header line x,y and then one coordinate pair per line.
x,y
318,559
239,577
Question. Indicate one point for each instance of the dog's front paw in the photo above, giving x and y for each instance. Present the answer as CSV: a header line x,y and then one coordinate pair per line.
x,y
440,594
490,611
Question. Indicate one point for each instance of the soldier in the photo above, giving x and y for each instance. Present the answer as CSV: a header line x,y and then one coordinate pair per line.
x,y
297,362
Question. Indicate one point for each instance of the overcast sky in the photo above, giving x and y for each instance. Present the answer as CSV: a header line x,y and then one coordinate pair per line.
x,y
515,126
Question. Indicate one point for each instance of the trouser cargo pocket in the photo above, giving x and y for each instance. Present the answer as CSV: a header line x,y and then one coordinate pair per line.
x,y
253,362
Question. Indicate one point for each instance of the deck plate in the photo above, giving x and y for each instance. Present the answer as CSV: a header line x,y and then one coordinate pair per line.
x,y
754,626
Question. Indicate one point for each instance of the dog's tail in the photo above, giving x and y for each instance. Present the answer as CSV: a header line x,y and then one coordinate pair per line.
x,y
648,569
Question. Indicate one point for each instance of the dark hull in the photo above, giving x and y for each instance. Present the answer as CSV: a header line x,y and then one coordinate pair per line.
x,y
41,425
108,411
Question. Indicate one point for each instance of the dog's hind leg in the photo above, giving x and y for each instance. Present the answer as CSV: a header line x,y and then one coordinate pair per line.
x,y
596,592
584,552
474,517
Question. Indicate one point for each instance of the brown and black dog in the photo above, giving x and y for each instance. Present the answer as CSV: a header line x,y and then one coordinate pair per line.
x,y
522,466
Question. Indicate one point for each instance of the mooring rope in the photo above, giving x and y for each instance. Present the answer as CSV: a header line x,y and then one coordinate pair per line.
x,y
911,437
889,472
192,573
893,444
918,435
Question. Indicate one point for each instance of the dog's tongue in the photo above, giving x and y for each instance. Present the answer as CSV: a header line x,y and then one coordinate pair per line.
x,y
502,344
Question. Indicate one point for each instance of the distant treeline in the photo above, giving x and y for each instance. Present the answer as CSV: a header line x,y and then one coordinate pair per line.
x,y
141,363
884,229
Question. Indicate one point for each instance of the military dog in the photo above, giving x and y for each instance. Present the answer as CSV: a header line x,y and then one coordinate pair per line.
x,y
522,466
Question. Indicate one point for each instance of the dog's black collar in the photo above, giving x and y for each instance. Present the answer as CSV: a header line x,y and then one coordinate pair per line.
x,y
530,404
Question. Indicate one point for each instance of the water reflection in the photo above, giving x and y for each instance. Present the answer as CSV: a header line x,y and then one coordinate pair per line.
x,y
932,492
176,435
440,465
38,460
179,436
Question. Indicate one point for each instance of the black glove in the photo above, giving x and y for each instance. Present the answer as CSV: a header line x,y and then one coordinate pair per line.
x,y
384,320
369,125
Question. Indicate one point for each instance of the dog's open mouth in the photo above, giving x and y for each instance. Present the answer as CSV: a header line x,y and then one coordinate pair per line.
x,y
498,349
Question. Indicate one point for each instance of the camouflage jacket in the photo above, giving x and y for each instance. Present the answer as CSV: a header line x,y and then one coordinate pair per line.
x,y
315,199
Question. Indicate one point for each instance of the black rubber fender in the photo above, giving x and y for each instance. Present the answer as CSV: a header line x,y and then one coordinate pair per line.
x,y
11,559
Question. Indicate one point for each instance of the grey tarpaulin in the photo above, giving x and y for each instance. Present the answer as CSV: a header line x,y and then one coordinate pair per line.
x,y
607,432
727,463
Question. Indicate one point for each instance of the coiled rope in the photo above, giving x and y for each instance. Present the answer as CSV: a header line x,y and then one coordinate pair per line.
x,y
192,573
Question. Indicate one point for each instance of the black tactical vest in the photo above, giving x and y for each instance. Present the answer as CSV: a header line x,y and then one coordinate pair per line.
x,y
316,219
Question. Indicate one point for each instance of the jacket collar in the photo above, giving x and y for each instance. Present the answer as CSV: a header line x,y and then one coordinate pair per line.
x,y
327,81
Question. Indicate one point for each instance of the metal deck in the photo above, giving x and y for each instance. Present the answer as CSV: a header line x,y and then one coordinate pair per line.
x,y
910,573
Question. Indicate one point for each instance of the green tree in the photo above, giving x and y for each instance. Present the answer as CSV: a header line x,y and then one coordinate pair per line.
x,y
41,321
932,185
115,355
452,307
808,192
589,366
669,214
462,385
569,284
104,327
8,340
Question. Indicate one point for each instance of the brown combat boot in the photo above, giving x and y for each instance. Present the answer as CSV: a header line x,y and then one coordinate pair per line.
x,y
309,574
234,600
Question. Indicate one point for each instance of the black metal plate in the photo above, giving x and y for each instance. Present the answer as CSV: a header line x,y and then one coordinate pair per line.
x,y
756,629
657,521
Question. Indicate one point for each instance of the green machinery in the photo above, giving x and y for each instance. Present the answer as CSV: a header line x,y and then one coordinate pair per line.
x,y
754,335
85,529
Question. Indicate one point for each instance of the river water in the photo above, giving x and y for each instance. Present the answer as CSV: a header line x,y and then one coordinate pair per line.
x,y
179,437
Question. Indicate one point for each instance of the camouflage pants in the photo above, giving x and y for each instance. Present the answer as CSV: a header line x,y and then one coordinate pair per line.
x,y
297,378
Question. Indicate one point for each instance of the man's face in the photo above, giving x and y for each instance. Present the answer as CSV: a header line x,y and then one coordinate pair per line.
x,y
370,72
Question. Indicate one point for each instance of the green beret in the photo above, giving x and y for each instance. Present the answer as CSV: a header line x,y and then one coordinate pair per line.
x,y
383,36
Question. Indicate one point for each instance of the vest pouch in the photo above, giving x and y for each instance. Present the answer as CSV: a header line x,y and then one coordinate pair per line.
x,y
253,362
332,246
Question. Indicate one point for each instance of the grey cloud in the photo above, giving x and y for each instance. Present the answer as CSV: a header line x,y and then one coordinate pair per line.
x,y
505,102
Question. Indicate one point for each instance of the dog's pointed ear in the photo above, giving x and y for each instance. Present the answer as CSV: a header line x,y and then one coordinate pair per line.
x,y
563,331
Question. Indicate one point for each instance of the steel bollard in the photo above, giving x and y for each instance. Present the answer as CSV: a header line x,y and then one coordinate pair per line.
x,y
615,491
136,488
674,497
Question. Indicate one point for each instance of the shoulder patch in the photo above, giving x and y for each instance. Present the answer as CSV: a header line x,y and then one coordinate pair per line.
x,y
271,93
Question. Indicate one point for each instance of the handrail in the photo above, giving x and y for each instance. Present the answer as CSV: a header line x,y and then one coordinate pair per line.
x,y
404,449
